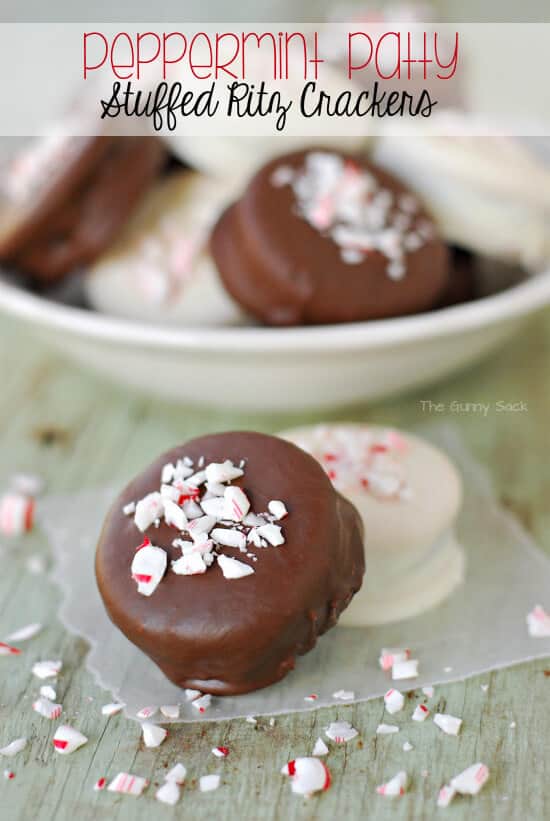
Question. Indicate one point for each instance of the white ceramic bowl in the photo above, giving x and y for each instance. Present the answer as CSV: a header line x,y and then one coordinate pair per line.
x,y
276,369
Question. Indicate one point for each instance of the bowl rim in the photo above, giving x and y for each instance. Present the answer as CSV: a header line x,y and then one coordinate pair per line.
x,y
519,300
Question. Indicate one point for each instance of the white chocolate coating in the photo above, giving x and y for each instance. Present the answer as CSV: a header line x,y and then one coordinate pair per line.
x,y
159,270
488,194
408,494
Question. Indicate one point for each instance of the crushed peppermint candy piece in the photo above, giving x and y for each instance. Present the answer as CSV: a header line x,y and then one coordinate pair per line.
x,y
128,784
277,509
153,734
45,707
168,793
407,747
170,710
446,795
389,657
251,720
112,709
538,623
387,729
233,568
177,774
148,510
340,731
471,780
394,701
201,525
28,484
48,692
272,534
190,564
220,472
214,507
16,514
344,695
311,697
8,650
404,669
146,712
35,564
148,567
100,784
395,786
421,713
174,515
202,703
47,669
9,775
449,724
320,747
220,752
13,747
307,775
25,633
236,504
207,783
191,695
129,510
66,739
428,691
229,537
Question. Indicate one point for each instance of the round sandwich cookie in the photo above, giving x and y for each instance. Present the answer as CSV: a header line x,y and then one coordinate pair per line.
x,y
488,194
408,494
159,268
64,198
226,558
323,237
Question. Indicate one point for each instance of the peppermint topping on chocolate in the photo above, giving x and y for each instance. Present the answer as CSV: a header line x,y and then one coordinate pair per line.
x,y
346,203
209,513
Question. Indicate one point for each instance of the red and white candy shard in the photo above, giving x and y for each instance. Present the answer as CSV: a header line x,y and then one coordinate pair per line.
x,y
29,484
471,780
389,657
311,697
170,710
146,712
220,752
9,775
344,695
174,515
307,775
8,650
153,734
100,784
25,633
148,510
148,567
129,509
395,786
169,793
341,732
177,774
66,739
538,623
394,701
112,709
229,537
221,472
190,564
404,669
47,669
449,724
277,509
191,695
128,784
420,713
207,783
446,795
387,729
235,504
16,514
48,692
428,691
45,707
233,568
320,747
272,534
202,703
13,747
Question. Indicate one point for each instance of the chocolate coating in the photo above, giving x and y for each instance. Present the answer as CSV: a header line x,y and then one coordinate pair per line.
x,y
78,208
286,272
227,636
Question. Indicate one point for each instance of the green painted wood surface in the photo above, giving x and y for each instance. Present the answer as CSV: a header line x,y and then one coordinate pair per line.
x,y
76,430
